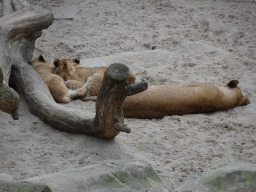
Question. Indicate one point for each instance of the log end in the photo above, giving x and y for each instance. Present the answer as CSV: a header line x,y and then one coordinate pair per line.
x,y
136,88
9,101
118,71
15,114
122,127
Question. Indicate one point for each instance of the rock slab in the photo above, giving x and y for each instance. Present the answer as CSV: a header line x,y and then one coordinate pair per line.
x,y
105,177
23,186
235,177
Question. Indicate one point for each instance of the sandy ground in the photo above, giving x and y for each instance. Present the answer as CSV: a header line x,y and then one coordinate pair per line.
x,y
178,147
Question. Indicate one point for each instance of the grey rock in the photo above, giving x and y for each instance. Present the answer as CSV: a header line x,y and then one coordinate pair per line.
x,y
105,176
235,177
23,186
5,177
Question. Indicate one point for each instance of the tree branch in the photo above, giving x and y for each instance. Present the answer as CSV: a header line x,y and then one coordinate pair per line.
x,y
136,88
110,99
122,127
9,99
39,98
26,21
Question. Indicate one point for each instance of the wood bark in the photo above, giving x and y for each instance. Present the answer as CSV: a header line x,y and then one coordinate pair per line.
x,y
109,111
17,21
18,31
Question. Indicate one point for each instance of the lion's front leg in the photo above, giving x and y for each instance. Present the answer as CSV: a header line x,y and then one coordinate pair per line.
x,y
92,98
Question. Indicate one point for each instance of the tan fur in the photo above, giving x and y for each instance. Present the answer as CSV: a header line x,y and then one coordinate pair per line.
x,y
193,97
69,70
55,83
159,101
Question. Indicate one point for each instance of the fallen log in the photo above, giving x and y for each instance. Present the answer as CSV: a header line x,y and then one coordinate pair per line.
x,y
108,121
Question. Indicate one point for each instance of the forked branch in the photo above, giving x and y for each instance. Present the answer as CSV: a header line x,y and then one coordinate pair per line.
x,y
109,112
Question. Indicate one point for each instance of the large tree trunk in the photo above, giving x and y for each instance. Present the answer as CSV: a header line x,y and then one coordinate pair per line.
x,y
24,25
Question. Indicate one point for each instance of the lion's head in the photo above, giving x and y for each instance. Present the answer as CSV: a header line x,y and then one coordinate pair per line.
x,y
65,67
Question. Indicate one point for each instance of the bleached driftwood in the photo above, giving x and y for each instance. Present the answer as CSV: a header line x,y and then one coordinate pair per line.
x,y
19,28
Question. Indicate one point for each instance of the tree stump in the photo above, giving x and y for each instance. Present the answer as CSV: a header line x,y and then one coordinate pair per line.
x,y
109,112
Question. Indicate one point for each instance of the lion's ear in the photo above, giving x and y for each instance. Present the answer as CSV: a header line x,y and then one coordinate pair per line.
x,y
41,58
77,61
232,83
56,62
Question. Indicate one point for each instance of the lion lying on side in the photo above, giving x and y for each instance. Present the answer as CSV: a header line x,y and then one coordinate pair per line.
x,y
193,97
55,83
72,71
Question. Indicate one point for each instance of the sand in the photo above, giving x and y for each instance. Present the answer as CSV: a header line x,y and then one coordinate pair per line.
x,y
162,42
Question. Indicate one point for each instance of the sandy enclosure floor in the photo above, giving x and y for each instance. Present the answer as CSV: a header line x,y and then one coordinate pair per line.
x,y
178,147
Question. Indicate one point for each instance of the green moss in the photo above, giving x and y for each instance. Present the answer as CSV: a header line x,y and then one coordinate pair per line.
x,y
217,181
129,180
141,177
21,188
249,179
106,180
150,172
81,186
224,181
14,186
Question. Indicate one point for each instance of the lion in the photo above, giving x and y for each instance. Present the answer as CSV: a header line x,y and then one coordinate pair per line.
x,y
70,70
193,97
159,101
60,92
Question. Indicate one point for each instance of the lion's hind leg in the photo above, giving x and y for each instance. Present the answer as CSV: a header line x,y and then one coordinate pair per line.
x,y
74,84
81,91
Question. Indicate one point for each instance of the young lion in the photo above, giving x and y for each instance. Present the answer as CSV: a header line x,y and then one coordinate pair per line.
x,y
69,71
55,83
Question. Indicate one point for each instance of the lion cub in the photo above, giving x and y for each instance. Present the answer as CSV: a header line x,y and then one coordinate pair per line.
x,y
69,71
55,83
